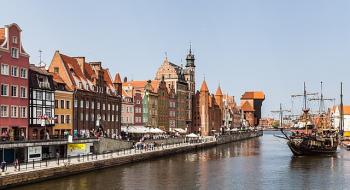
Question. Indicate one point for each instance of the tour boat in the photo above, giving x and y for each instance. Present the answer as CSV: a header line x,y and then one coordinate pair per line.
x,y
318,136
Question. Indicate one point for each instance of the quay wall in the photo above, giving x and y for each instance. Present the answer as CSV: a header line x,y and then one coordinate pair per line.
x,y
107,145
28,177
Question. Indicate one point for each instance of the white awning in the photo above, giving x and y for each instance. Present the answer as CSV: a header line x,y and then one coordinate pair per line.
x,y
192,135
141,130
180,130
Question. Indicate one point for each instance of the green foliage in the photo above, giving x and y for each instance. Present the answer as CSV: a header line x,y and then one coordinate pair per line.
x,y
275,124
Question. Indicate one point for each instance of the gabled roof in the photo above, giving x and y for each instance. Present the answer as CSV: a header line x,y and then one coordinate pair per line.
x,y
346,109
204,87
247,107
135,84
258,95
155,85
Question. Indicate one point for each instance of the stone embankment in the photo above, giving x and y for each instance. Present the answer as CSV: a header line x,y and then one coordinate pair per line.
x,y
95,162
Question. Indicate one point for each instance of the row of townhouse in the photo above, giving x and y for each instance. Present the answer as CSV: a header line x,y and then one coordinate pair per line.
x,y
71,96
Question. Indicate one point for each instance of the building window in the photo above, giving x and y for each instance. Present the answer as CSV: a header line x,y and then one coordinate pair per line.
x,y
5,69
14,111
23,112
23,92
62,119
14,91
56,104
4,89
14,53
23,73
109,106
48,96
98,105
92,105
55,69
56,119
39,113
67,119
14,39
75,103
81,116
92,117
4,111
113,107
67,104
87,104
39,95
62,104
81,103
14,71
87,117
103,106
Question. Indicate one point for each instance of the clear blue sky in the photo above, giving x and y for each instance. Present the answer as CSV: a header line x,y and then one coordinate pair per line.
x,y
269,45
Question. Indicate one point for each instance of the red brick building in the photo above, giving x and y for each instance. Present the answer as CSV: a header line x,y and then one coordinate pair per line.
x,y
207,112
251,103
14,65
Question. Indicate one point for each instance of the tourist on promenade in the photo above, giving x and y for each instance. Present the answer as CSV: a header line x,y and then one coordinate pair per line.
x,y
16,165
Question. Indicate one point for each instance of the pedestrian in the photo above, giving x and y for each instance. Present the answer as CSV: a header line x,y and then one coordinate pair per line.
x,y
16,165
3,165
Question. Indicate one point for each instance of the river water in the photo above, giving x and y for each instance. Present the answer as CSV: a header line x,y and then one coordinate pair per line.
x,y
260,163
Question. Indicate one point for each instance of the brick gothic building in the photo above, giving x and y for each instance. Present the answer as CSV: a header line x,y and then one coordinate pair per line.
x,y
251,103
207,113
14,65
183,82
97,100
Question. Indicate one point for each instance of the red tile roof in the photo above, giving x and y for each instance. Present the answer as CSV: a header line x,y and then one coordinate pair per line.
x,y
254,95
72,65
346,109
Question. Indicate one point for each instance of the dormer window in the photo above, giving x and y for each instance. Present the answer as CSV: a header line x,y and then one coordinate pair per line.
x,y
14,39
87,87
80,85
14,53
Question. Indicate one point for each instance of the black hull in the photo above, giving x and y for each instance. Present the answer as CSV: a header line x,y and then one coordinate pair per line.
x,y
304,150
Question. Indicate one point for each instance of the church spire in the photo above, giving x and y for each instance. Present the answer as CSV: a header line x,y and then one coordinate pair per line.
x,y
190,58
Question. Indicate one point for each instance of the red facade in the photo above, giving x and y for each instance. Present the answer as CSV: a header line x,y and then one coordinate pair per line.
x,y
14,65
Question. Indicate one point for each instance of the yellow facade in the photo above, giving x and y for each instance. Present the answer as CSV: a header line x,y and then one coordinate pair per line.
x,y
63,112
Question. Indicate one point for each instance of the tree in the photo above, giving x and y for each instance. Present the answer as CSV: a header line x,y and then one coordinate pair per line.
x,y
275,124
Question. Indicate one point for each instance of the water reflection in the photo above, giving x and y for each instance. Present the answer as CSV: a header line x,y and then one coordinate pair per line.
x,y
262,163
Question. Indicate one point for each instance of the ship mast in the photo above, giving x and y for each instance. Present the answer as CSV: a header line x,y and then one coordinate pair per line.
x,y
341,130
306,110
280,112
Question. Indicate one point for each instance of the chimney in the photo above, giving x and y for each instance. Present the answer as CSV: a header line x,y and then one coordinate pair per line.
x,y
81,61
125,79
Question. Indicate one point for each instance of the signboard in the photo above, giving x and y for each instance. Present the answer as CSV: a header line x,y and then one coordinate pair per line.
x,y
34,153
77,149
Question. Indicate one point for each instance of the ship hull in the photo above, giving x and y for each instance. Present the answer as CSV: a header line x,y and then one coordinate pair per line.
x,y
301,149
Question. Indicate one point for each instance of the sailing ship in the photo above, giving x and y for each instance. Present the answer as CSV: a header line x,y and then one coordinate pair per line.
x,y
315,134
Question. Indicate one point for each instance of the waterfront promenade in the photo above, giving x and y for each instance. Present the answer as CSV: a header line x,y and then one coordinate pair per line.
x,y
39,171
